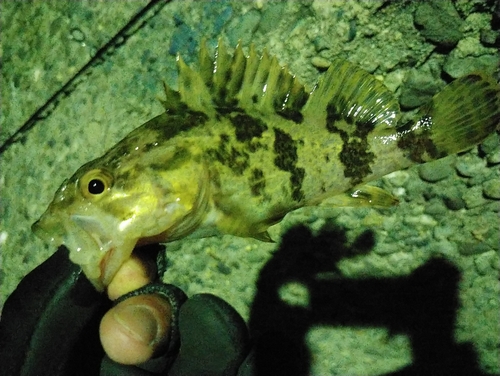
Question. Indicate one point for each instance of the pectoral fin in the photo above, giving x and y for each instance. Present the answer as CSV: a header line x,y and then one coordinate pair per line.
x,y
367,195
264,237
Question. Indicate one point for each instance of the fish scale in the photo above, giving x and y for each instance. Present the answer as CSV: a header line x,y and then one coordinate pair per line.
x,y
242,143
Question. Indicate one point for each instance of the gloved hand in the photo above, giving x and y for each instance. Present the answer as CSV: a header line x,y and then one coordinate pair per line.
x,y
50,326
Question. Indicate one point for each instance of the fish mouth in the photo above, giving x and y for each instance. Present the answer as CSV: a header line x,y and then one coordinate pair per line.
x,y
90,248
98,254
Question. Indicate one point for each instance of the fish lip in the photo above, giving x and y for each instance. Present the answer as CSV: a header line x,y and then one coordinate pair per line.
x,y
90,242
39,228
85,239
106,252
100,249
106,273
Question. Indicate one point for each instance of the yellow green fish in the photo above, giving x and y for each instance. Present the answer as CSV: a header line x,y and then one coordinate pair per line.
x,y
242,143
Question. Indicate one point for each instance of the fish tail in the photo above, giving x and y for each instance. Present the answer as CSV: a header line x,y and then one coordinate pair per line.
x,y
462,115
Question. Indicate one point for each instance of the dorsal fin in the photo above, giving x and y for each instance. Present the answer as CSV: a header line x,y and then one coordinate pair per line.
x,y
192,89
353,95
254,83
260,84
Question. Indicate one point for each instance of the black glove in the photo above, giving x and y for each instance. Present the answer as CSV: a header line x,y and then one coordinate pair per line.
x,y
49,326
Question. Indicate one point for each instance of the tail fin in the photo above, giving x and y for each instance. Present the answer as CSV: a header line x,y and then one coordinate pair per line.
x,y
462,115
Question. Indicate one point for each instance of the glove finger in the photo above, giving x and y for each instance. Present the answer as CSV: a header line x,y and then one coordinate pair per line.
x,y
161,363
214,338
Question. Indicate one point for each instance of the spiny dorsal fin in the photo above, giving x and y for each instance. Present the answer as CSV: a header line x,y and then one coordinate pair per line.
x,y
192,89
353,95
227,81
260,84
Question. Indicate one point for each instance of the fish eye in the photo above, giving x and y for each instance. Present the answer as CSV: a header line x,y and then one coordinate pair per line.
x,y
96,186
94,183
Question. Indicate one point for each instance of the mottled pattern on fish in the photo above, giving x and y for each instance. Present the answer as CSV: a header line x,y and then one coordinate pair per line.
x,y
242,143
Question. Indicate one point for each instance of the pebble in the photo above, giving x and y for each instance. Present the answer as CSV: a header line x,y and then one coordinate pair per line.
x,y
453,199
436,171
473,197
491,189
468,249
423,219
295,294
397,178
494,158
484,263
491,144
480,178
492,236
470,165
435,208
442,233
443,248
387,248
320,62
77,35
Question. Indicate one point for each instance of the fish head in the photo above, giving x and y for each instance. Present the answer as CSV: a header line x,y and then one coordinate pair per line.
x,y
110,205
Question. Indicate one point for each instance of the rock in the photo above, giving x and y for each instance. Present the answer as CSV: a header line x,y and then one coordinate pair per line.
x,y
458,67
443,233
435,208
436,171
485,263
470,165
320,62
491,189
386,249
418,88
394,79
397,178
494,158
453,199
470,56
420,220
443,248
491,144
474,197
489,37
468,249
439,22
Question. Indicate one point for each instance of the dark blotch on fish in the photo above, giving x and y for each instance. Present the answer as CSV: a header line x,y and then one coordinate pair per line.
x,y
286,159
247,127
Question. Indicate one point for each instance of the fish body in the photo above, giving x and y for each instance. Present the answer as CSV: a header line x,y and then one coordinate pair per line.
x,y
242,143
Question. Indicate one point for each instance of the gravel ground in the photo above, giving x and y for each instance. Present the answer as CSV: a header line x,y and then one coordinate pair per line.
x,y
366,291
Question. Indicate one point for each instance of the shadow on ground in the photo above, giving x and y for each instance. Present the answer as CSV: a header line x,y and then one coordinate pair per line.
x,y
422,306
56,304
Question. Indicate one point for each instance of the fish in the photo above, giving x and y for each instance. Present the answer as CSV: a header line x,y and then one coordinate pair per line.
x,y
242,142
